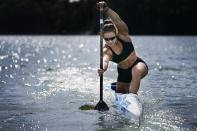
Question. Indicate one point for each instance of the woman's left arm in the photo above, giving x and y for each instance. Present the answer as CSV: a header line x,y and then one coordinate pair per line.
x,y
120,24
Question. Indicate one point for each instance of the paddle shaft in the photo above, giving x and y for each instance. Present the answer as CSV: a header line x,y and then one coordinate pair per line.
x,y
101,105
101,52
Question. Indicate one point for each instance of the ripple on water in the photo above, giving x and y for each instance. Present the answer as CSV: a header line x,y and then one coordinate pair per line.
x,y
163,119
56,79
69,79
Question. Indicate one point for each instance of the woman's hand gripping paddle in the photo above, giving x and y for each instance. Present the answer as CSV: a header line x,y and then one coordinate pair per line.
x,y
101,105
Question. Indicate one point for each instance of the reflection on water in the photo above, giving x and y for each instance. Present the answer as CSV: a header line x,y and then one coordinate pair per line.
x,y
44,80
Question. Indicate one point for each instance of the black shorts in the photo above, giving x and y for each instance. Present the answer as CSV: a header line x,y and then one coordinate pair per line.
x,y
125,75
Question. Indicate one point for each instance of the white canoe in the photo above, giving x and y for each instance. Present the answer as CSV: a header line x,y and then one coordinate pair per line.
x,y
129,105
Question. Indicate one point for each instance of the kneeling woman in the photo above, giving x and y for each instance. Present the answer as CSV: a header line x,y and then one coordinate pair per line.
x,y
119,49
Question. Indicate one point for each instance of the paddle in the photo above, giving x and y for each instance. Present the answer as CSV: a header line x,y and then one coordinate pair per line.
x,y
101,105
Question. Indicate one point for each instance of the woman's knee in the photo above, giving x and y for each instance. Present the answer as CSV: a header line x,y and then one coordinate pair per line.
x,y
139,70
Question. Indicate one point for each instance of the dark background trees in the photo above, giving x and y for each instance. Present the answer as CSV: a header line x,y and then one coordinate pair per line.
x,y
143,17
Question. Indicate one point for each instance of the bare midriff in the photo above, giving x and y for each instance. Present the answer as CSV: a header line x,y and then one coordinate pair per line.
x,y
128,62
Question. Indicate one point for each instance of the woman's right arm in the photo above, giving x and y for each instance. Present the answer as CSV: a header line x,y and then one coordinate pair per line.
x,y
106,58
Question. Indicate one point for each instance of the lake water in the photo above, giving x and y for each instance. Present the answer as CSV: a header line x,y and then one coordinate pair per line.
x,y
44,80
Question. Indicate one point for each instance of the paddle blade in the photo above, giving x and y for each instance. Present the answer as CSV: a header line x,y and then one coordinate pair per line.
x,y
101,106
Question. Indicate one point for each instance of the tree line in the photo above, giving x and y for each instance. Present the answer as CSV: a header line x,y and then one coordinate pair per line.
x,y
143,17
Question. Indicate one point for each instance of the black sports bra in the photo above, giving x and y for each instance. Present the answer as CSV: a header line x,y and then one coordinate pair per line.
x,y
126,51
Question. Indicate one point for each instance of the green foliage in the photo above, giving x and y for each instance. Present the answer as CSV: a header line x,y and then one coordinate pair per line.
x,y
62,17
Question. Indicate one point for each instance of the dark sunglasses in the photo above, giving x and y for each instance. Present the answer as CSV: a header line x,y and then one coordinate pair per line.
x,y
108,39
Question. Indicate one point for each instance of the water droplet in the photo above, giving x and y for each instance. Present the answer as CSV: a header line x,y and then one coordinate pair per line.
x,y
89,67
173,77
45,60
15,61
38,61
25,59
16,66
81,46
11,76
69,56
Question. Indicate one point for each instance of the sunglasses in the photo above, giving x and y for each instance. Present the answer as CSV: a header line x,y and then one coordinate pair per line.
x,y
108,39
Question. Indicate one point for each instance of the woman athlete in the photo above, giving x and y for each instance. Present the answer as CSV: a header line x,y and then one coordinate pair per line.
x,y
119,49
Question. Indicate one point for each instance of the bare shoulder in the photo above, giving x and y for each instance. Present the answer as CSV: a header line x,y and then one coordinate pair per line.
x,y
124,37
107,51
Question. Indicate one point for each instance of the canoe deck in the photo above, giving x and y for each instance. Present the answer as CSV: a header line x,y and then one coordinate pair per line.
x,y
129,105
